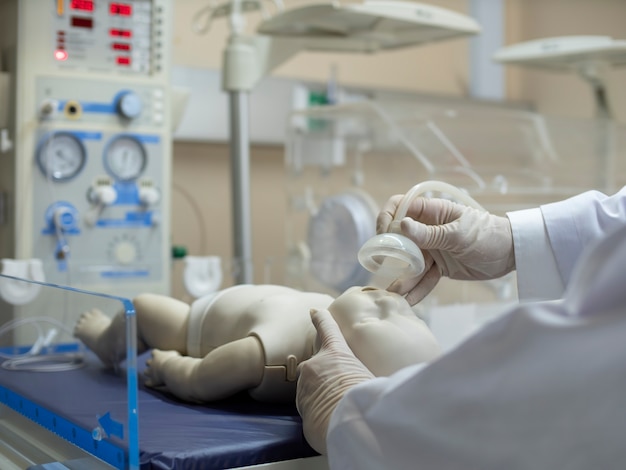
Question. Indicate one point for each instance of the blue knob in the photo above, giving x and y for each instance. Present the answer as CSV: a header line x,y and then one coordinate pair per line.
x,y
129,105
64,218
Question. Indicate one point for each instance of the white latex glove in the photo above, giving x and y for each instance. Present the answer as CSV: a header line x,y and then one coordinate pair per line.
x,y
457,241
325,378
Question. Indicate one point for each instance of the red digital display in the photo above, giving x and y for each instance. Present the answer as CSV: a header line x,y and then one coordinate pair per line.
x,y
118,46
81,22
121,9
83,5
120,33
122,60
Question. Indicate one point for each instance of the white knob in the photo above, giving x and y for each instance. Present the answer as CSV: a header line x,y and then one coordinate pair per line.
x,y
105,195
124,252
148,196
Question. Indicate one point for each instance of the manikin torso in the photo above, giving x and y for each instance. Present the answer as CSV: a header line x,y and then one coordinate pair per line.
x,y
277,316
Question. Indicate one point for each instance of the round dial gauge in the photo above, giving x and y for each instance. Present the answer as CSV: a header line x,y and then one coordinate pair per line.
x,y
125,158
61,156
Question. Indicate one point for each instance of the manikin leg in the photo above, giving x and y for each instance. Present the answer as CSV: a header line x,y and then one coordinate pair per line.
x,y
226,370
161,323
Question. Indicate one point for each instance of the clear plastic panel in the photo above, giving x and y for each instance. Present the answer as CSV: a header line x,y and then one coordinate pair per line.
x,y
505,158
54,380
482,149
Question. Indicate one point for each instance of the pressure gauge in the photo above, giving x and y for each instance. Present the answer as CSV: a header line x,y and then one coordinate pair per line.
x,y
61,156
125,158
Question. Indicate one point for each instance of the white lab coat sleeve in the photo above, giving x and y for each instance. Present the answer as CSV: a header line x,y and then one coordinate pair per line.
x,y
539,388
549,240
538,277
576,222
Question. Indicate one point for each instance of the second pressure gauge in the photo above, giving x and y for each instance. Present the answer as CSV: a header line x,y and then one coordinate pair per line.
x,y
125,158
61,156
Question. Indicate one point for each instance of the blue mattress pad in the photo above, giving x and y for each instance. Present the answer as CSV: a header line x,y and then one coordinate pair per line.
x,y
173,434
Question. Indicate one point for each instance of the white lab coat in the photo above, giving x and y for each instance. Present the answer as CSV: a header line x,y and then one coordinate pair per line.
x,y
543,387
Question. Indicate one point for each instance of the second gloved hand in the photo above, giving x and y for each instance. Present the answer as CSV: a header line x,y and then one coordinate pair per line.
x,y
325,378
459,242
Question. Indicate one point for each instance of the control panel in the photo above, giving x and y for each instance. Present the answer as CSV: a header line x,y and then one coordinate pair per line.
x,y
125,36
89,173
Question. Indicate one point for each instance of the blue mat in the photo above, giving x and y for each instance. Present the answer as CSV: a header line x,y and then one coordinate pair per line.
x,y
172,434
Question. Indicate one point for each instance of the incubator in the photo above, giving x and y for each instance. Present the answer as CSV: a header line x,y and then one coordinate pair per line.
x,y
344,161
60,406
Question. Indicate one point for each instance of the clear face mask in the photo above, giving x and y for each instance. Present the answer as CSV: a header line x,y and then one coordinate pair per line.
x,y
392,256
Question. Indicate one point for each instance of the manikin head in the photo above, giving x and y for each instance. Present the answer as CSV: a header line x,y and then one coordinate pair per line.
x,y
382,330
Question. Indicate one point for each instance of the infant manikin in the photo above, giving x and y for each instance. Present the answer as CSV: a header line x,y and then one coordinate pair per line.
x,y
252,337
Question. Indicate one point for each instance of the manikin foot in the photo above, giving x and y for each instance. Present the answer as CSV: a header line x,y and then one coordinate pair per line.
x,y
91,329
154,370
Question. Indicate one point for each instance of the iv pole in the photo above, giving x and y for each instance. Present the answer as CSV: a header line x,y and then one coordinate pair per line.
x,y
239,155
246,60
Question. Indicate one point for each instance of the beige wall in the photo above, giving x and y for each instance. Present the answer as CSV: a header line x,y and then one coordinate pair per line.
x,y
201,205
201,193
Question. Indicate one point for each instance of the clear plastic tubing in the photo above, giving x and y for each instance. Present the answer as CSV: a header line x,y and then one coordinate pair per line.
x,y
392,256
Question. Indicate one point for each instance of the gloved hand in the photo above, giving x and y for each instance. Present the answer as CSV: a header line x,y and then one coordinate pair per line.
x,y
457,241
325,378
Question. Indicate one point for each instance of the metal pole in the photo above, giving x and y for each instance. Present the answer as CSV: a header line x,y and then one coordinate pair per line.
x,y
595,74
605,137
240,180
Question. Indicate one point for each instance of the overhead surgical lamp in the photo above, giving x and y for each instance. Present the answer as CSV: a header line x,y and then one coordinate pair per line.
x,y
366,27
590,56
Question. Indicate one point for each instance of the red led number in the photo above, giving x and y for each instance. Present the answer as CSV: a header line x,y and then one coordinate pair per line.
x,y
83,5
120,33
121,9
118,46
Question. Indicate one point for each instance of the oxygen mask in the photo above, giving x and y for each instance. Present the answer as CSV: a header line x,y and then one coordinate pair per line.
x,y
392,256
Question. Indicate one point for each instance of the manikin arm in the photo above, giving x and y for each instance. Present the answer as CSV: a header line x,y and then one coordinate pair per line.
x,y
226,370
